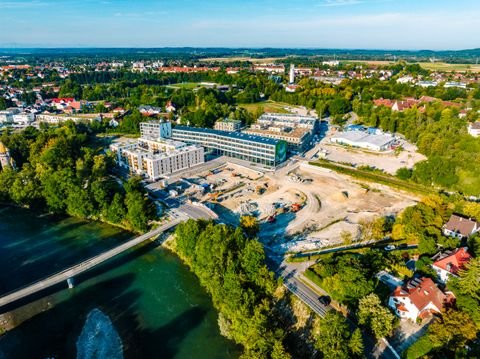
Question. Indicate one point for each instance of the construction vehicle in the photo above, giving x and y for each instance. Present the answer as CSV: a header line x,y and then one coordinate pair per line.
x,y
271,219
296,207
260,189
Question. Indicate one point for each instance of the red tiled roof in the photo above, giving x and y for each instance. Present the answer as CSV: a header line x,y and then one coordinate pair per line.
x,y
421,292
453,262
383,102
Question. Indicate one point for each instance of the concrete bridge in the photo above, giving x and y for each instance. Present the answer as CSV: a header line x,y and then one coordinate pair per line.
x,y
84,266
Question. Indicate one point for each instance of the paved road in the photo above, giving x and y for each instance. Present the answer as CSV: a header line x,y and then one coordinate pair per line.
x,y
83,266
290,274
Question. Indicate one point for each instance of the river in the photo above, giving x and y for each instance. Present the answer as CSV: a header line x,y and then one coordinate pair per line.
x,y
156,306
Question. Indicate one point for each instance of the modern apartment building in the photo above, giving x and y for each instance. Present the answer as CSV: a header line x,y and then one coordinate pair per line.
x,y
156,129
289,120
262,150
298,139
158,160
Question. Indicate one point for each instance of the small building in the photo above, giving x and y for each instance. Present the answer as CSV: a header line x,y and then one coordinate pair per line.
x,y
474,129
228,124
150,110
456,84
447,264
460,227
169,107
418,298
5,160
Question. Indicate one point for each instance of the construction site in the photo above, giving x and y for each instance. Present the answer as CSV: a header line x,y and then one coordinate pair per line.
x,y
300,207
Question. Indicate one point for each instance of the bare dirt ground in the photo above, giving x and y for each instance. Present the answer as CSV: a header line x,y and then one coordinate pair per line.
x,y
388,161
330,203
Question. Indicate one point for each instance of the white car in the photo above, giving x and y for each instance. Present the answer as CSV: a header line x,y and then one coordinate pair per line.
x,y
390,247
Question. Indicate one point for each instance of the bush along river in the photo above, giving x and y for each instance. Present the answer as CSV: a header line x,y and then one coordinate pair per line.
x,y
145,304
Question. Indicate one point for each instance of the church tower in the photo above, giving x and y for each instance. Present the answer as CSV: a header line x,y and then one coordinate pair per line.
x,y
5,159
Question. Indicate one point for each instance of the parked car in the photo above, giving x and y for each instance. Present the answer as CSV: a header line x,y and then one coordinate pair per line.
x,y
325,300
390,247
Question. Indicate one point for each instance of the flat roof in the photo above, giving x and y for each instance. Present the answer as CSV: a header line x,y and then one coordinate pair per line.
x,y
296,132
358,136
229,134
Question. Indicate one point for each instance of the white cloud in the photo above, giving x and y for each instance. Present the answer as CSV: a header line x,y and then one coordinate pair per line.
x,y
22,4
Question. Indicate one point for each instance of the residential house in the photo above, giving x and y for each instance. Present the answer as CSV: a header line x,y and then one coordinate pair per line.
x,y
447,264
169,107
150,110
460,227
418,298
474,129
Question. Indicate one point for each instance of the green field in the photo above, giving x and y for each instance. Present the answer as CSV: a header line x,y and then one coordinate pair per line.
x,y
433,66
185,85
267,106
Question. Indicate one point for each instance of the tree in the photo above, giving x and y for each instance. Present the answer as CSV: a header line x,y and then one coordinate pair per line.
x,y
375,316
355,344
333,334
250,225
453,331
469,280
404,173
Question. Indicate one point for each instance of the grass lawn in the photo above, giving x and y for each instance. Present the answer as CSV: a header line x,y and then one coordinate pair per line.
x,y
268,106
185,85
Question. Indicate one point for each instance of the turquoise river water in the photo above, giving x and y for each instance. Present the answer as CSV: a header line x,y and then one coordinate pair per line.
x,y
155,305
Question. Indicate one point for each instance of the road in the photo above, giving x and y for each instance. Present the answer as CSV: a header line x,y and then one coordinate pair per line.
x,y
290,273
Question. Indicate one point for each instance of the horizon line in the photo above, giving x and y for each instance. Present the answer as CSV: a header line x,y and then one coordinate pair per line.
x,y
85,47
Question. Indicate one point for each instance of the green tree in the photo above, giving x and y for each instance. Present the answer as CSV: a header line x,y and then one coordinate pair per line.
x,y
453,331
250,225
355,344
375,316
469,280
333,336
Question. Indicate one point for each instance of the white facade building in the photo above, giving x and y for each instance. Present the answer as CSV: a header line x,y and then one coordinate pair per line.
x,y
156,129
375,142
228,125
23,118
474,129
418,298
6,117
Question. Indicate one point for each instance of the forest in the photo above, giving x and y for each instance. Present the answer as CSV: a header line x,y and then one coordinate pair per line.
x,y
61,171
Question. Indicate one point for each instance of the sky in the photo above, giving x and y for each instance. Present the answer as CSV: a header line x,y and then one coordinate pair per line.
x,y
344,24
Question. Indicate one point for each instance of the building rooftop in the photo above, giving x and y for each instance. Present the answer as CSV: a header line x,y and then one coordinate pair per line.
x,y
294,132
229,134
359,136
452,261
421,292
459,224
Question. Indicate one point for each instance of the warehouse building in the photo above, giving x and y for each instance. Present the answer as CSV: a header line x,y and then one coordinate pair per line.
x,y
374,142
